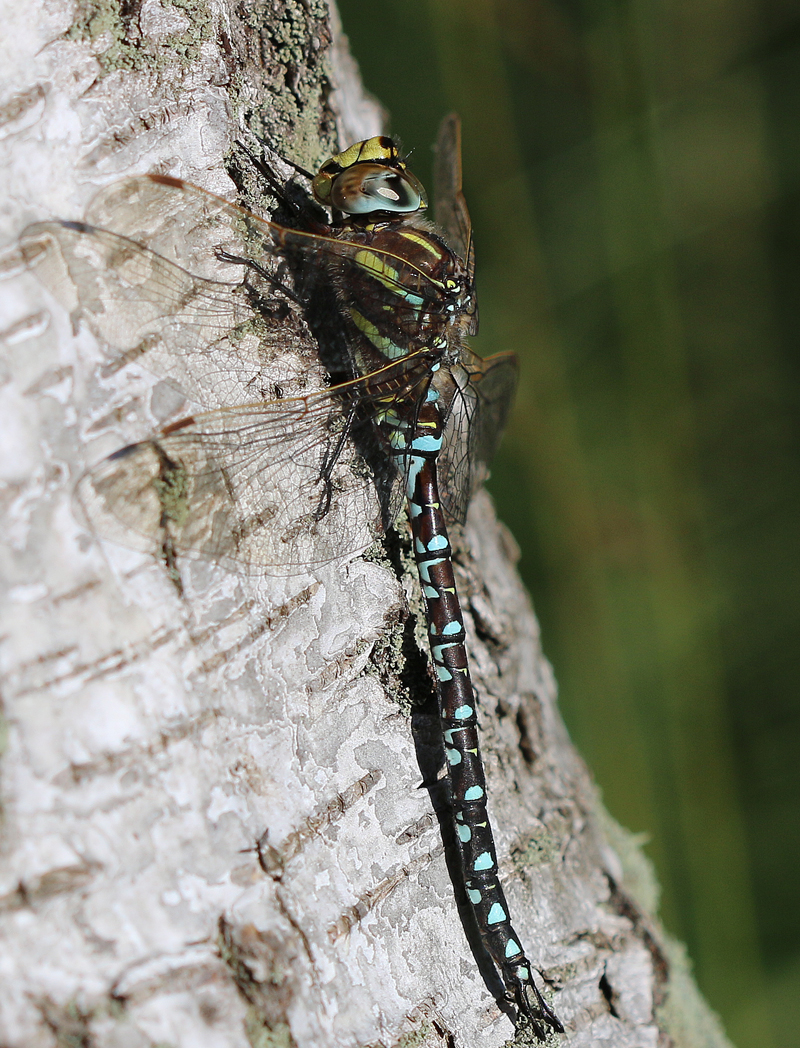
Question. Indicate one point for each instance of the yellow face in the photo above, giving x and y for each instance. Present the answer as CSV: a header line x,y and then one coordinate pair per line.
x,y
367,178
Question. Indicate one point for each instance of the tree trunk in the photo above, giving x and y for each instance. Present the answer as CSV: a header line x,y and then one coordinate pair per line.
x,y
213,832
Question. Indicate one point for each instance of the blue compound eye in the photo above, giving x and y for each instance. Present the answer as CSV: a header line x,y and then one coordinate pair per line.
x,y
367,178
367,188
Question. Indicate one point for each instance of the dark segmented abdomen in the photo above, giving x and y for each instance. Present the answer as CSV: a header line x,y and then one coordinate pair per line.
x,y
458,715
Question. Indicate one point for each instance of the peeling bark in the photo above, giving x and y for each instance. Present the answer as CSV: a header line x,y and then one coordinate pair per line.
x,y
212,827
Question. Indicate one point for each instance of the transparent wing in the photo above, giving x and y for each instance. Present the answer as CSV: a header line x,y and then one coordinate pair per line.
x,y
191,227
184,224
130,288
147,309
451,208
480,407
270,487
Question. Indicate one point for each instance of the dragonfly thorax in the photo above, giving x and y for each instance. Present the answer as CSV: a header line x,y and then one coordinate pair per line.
x,y
403,290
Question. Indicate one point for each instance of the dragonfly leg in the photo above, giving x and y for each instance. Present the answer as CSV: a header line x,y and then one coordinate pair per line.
x,y
272,180
535,1008
250,263
329,461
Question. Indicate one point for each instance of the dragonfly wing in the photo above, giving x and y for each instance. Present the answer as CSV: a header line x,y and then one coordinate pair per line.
x,y
132,291
451,211
480,407
203,335
495,381
192,227
249,487
182,223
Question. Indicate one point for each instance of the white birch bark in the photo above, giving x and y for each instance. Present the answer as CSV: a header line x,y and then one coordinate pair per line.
x,y
152,740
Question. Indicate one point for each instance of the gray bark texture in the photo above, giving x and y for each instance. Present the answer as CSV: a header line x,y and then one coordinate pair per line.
x,y
153,739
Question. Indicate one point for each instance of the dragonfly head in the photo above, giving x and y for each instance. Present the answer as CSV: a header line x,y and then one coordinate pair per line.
x,y
367,179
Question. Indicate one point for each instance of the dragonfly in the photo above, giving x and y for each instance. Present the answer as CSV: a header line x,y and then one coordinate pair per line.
x,y
285,475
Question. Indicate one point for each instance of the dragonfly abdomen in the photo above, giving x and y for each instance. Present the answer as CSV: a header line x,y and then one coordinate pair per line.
x,y
457,711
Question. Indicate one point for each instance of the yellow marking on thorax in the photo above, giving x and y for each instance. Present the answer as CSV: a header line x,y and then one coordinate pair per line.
x,y
376,265
423,241
383,344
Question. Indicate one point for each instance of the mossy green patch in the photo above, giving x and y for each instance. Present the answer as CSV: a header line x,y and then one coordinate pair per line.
x,y
128,48
261,1035
639,876
684,1015
172,488
415,1038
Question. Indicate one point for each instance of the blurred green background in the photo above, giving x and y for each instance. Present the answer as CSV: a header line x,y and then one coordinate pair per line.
x,y
633,173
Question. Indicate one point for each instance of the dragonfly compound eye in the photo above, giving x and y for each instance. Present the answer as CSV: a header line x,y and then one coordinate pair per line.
x,y
366,188
367,178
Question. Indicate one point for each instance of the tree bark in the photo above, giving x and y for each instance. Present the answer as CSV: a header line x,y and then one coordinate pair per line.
x,y
213,832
